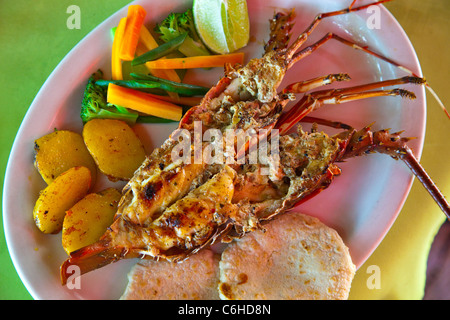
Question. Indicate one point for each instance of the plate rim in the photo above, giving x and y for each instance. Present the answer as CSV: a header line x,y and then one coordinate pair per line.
x,y
15,146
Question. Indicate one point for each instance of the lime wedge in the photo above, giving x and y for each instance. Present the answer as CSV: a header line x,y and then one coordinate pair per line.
x,y
223,25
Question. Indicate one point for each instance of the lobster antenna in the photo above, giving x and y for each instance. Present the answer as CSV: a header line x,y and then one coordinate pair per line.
x,y
403,68
436,97
427,85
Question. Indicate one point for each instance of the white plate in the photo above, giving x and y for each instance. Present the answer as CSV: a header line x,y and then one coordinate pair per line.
x,y
361,204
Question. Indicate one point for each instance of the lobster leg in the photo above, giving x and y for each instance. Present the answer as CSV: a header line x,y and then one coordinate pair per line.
x,y
310,49
328,123
308,85
352,4
280,31
316,99
304,36
329,36
380,84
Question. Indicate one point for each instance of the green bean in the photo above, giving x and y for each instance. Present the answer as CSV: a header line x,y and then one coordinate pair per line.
x,y
161,51
181,88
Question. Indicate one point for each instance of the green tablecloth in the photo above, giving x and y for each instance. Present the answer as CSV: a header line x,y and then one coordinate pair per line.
x,y
34,38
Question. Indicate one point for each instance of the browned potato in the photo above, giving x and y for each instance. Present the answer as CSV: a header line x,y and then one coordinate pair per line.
x,y
59,151
59,196
115,148
88,219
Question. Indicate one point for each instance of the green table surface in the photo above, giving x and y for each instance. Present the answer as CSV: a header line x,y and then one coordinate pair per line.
x,y
34,38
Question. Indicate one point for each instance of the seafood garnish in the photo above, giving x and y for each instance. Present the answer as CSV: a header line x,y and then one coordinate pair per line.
x,y
171,209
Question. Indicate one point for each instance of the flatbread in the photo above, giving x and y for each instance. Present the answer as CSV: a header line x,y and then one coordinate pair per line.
x,y
193,279
297,257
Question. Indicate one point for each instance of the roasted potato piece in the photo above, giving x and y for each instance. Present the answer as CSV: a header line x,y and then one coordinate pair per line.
x,y
88,219
59,151
59,196
115,148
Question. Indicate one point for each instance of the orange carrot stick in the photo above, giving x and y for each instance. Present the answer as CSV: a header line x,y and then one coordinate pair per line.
x,y
185,101
197,62
147,43
143,102
116,62
147,39
135,20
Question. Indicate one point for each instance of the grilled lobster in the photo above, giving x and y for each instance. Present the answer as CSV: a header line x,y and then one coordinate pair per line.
x,y
171,209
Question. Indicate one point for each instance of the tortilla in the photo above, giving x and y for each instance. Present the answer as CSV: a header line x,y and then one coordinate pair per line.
x,y
297,257
193,279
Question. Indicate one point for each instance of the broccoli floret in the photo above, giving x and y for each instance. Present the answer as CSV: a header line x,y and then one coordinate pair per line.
x,y
95,106
175,25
